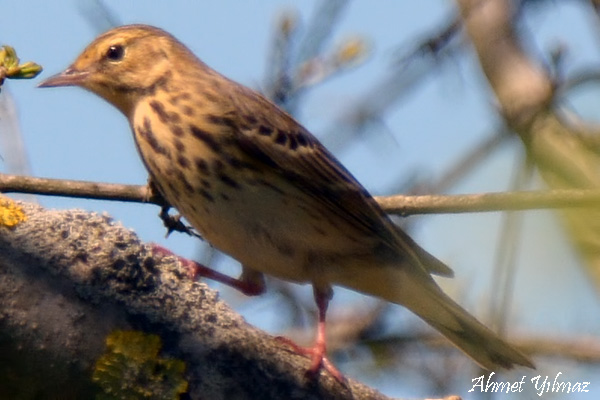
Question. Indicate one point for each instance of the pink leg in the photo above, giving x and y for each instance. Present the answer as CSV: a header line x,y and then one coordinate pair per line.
x,y
318,352
251,283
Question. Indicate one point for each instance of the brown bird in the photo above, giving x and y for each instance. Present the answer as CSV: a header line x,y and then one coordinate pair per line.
x,y
258,186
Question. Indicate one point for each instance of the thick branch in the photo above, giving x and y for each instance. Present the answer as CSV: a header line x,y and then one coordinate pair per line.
x,y
70,278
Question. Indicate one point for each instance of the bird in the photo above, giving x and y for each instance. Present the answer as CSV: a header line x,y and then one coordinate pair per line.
x,y
260,187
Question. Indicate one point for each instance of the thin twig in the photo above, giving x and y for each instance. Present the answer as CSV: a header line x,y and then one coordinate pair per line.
x,y
486,202
79,189
396,204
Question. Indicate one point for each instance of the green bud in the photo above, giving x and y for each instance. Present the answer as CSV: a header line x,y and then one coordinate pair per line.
x,y
27,71
10,68
9,59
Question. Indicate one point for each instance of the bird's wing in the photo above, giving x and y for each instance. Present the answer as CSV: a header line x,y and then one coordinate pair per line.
x,y
279,142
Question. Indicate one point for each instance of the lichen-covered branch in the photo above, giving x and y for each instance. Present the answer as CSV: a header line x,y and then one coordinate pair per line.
x,y
70,279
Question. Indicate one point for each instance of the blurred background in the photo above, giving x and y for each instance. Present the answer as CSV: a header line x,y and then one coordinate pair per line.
x,y
395,91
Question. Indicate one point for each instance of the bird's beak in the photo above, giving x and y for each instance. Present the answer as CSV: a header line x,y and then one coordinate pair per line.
x,y
69,77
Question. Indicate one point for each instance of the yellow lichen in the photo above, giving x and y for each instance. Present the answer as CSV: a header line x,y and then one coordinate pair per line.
x,y
131,369
10,213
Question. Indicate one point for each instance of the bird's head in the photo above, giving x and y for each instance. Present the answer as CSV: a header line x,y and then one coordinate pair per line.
x,y
124,64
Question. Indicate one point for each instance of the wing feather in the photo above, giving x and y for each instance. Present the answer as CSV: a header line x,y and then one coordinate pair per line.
x,y
279,142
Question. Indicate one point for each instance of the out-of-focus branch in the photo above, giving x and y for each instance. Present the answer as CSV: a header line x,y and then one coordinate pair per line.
x,y
408,70
582,349
596,6
327,14
98,15
13,152
525,91
297,68
505,264
12,147
279,83
587,131
521,86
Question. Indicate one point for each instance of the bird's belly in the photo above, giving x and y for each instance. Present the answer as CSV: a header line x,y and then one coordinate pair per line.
x,y
265,230
259,241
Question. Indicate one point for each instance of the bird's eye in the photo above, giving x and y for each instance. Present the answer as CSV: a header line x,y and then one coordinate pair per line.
x,y
115,52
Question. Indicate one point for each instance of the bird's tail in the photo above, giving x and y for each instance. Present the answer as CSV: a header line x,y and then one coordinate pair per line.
x,y
420,294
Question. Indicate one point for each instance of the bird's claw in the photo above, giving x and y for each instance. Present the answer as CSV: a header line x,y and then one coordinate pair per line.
x,y
173,223
319,361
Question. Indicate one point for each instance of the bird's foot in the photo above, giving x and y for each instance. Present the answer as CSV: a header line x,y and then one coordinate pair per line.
x,y
319,360
173,223
249,287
